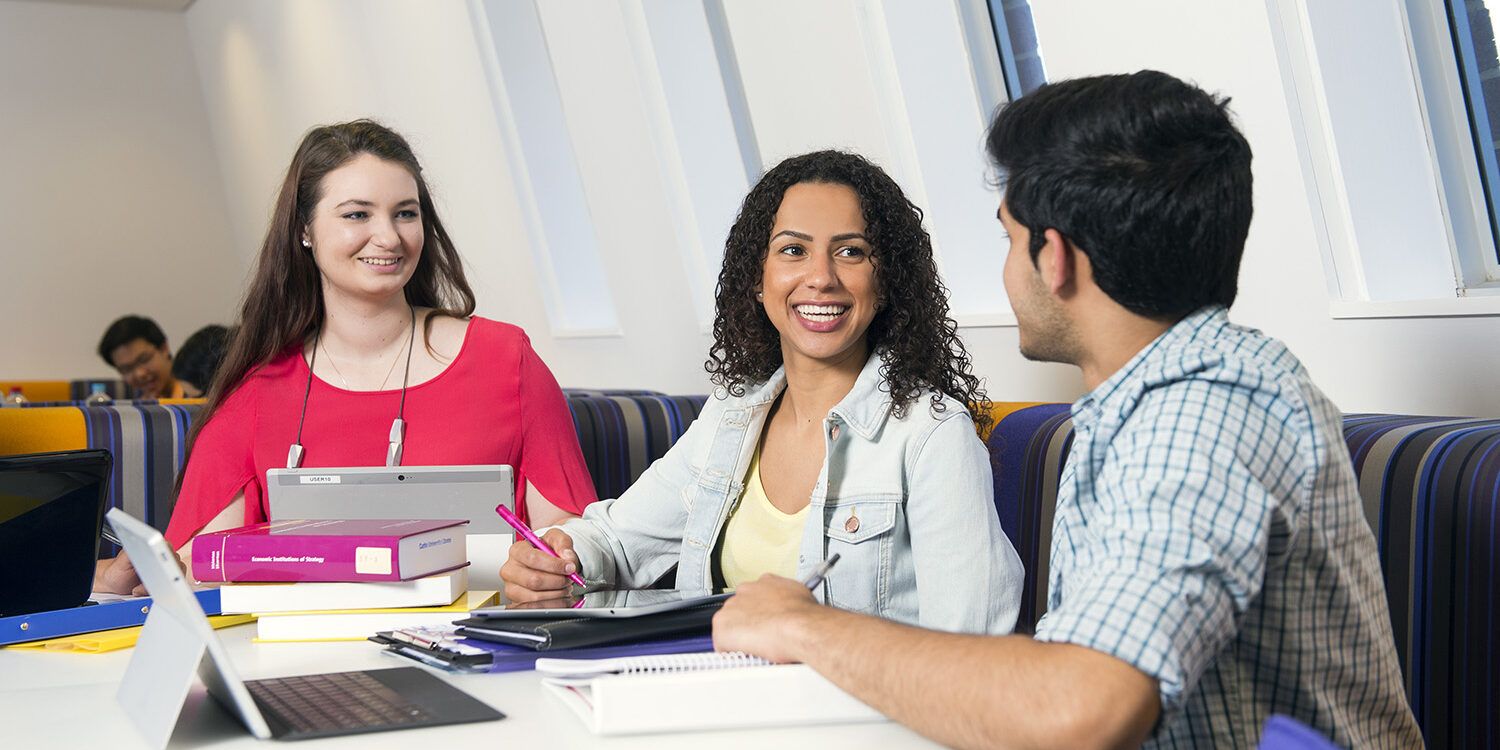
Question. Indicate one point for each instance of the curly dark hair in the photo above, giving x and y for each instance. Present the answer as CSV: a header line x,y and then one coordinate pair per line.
x,y
917,342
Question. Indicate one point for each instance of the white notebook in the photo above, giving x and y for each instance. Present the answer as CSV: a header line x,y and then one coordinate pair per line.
x,y
696,692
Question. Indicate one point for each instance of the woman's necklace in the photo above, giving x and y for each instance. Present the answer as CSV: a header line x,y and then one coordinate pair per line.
x,y
388,372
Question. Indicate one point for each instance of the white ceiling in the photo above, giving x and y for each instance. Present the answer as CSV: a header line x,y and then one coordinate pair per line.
x,y
167,5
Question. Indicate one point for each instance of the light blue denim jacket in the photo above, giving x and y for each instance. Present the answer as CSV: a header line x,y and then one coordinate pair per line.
x,y
927,547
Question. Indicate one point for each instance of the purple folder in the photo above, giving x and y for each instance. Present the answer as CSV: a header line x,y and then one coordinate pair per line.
x,y
508,658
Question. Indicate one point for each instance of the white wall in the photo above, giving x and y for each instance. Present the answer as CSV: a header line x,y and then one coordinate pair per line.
x,y
271,69
1413,365
111,193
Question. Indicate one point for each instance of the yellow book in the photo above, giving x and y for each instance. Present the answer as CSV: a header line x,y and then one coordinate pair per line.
x,y
113,640
359,624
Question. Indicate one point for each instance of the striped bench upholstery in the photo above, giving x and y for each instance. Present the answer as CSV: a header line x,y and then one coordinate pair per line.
x,y
149,443
586,392
622,435
1431,489
147,440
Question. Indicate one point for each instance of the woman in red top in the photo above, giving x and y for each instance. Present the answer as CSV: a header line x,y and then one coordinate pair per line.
x,y
359,311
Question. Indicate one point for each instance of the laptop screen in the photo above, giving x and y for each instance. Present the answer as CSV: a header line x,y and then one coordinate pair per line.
x,y
51,509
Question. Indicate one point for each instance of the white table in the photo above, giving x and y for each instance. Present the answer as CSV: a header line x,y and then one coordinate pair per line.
x,y
66,700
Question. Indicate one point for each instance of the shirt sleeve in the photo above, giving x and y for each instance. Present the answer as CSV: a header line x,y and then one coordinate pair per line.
x,y
951,506
550,456
1172,544
220,466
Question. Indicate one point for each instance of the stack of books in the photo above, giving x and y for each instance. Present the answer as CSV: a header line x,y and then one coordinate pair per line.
x,y
340,579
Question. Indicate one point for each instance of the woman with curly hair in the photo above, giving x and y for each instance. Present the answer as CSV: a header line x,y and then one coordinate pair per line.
x,y
844,423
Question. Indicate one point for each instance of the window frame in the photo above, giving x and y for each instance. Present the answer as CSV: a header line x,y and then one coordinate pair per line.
x,y
1483,181
1454,246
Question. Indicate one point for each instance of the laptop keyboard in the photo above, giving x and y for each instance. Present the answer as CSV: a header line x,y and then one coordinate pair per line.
x,y
334,703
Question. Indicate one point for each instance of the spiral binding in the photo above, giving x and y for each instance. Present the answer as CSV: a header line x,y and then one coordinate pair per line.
x,y
687,662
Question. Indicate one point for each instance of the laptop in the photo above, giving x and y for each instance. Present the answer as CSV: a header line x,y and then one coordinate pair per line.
x,y
51,510
177,640
467,492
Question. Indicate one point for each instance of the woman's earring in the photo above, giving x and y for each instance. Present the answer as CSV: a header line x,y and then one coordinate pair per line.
x,y
759,296
307,243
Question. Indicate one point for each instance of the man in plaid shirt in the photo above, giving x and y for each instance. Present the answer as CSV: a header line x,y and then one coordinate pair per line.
x,y
1210,564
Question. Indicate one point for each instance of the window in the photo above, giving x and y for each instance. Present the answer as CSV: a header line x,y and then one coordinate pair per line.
x,y
543,164
1015,36
1479,69
700,123
1405,224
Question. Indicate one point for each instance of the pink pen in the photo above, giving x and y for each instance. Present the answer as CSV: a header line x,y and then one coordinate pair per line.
x,y
530,536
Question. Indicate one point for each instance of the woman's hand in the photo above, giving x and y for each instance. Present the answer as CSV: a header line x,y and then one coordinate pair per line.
x,y
532,575
116,575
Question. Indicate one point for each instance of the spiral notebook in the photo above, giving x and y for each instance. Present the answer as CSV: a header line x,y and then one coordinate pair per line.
x,y
696,692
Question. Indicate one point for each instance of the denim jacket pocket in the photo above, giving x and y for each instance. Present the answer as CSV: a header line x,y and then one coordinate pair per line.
x,y
859,528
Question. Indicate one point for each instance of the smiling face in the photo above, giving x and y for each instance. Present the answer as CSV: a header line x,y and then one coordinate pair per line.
x,y
145,368
818,285
366,230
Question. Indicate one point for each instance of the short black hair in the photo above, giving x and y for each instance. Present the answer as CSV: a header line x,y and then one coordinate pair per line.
x,y
1144,173
126,330
200,355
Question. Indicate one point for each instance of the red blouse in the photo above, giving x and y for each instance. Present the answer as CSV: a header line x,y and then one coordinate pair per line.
x,y
496,403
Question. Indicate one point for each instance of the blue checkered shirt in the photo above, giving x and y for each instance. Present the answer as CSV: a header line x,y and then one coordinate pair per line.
x,y
1209,531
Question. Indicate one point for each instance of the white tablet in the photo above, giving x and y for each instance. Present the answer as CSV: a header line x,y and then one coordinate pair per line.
x,y
469,492
617,604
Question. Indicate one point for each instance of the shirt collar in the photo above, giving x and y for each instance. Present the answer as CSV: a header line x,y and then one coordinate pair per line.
x,y
864,408
1087,409
868,403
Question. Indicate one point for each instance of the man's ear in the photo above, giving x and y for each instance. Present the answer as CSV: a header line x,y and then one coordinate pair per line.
x,y
1057,262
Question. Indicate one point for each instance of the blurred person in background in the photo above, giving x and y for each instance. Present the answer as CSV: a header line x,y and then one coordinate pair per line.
x,y
137,349
199,357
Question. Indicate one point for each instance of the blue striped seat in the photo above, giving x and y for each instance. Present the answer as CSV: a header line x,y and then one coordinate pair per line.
x,y
1431,490
587,392
622,435
148,441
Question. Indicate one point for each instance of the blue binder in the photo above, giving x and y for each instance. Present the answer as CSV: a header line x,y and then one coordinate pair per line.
x,y
89,619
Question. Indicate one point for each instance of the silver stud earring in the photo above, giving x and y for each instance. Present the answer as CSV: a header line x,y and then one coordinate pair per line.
x,y
760,296
306,242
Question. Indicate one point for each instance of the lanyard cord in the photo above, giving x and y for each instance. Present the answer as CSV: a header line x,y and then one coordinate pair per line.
x,y
411,338
398,427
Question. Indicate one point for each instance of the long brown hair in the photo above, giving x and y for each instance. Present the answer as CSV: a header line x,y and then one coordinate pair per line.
x,y
284,304
912,331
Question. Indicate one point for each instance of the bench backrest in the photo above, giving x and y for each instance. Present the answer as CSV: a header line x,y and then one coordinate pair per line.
x,y
1431,490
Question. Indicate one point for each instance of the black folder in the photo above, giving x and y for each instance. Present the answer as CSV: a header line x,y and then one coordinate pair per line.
x,y
548,633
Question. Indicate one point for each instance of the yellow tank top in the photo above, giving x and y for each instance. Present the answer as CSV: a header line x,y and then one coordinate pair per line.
x,y
759,537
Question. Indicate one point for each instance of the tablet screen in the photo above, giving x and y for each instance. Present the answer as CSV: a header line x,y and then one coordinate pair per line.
x,y
612,603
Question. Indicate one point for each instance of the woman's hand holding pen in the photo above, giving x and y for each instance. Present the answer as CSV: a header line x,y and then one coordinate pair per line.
x,y
532,575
